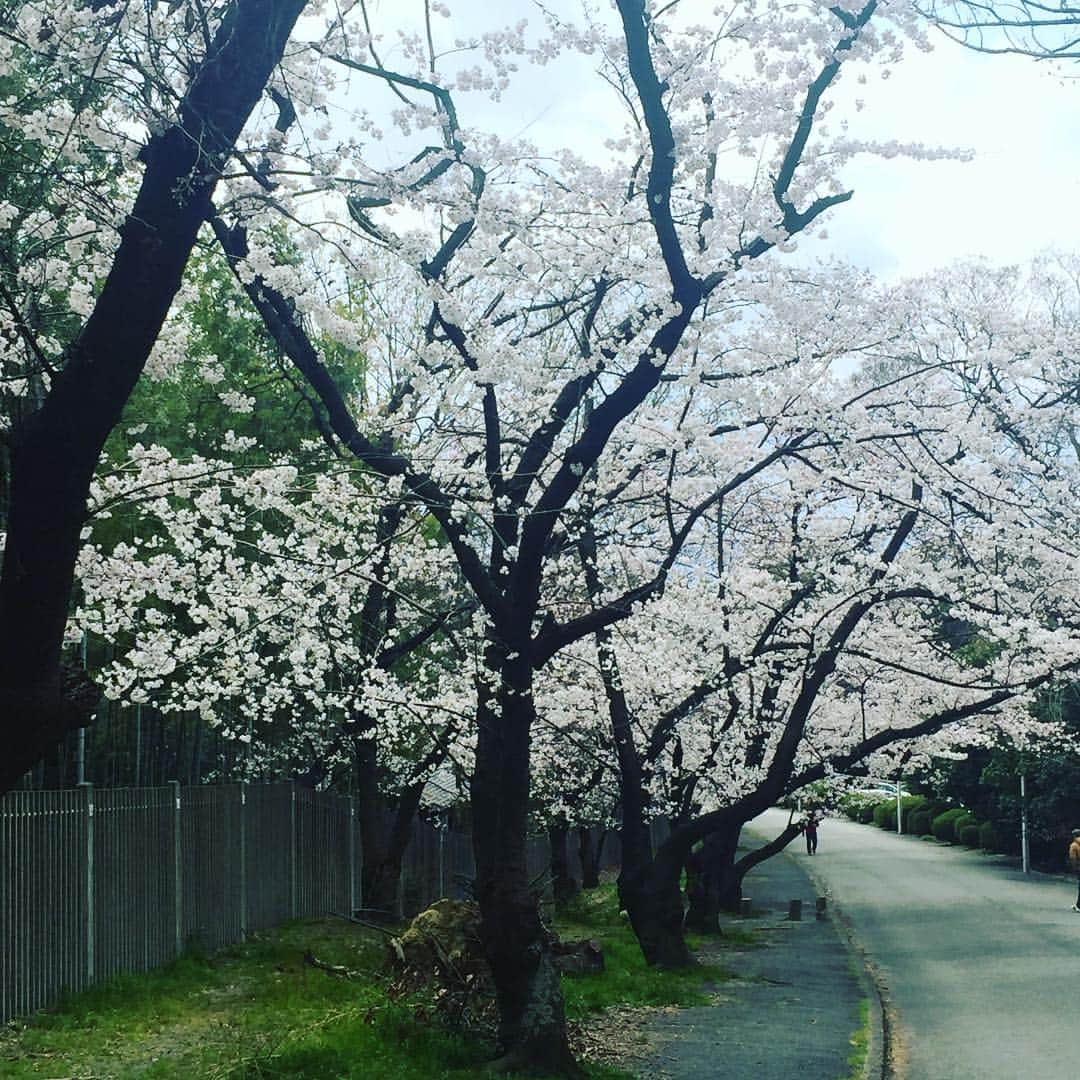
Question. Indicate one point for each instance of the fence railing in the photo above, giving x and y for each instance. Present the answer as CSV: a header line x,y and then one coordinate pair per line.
x,y
99,882
94,883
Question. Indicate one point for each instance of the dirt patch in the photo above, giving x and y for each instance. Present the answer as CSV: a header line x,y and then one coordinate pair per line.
x,y
619,1036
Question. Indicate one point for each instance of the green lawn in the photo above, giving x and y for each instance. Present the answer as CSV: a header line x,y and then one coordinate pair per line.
x,y
257,1010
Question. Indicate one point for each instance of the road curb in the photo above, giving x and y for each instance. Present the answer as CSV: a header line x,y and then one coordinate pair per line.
x,y
883,1054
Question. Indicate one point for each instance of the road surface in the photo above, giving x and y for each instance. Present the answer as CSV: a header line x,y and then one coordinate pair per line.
x,y
982,963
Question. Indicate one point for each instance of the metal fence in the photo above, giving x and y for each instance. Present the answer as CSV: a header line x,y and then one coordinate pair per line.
x,y
95,883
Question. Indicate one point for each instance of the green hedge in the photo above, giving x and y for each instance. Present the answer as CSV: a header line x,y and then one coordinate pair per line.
x,y
942,826
935,808
910,805
858,806
968,835
918,824
988,837
885,815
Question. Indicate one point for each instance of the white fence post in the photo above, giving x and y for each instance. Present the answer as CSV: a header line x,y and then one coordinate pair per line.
x,y
178,871
442,857
293,853
242,891
88,792
353,906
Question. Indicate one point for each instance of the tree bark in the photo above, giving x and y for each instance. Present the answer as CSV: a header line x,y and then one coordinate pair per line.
x,y
532,1022
712,883
589,852
648,884
54,451
649,892
564,885
385,833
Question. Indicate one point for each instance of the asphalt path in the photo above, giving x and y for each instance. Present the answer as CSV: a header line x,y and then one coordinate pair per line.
x,y
981,962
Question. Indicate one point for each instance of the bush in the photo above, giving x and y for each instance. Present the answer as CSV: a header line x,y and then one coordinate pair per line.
x,y
857,805
968,835
942,825
918,824
935,808
909,805
988,837
962,822
885,815
866,813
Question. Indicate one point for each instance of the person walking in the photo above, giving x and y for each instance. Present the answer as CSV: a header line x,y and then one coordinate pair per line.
x,y
811,836
1074,864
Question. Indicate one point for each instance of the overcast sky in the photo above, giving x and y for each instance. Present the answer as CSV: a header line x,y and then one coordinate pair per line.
x,y
1019,196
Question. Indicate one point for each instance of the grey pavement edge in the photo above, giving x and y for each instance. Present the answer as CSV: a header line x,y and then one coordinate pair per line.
x,y
793,1005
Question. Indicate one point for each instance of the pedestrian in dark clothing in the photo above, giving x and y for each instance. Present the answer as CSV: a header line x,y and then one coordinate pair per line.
x,y
811,835
1074,864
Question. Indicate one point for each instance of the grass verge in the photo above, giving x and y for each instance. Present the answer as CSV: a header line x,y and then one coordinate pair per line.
x,y
257,1011
626,979
860,1044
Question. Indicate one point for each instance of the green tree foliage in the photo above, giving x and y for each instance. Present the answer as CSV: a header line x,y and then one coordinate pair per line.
x,y
987,781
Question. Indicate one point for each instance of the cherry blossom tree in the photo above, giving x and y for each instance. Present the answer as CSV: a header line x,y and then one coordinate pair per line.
x,y
565,299
572,310
934,487
163,96
1020,27
301,614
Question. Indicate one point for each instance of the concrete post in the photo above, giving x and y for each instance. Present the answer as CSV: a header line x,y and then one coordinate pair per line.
x,y
294,894
353,905
88,806
1025,845
178,871
242,890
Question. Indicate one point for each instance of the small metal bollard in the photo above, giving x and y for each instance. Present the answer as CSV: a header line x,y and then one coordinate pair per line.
x,y
744,906
795,910
820,906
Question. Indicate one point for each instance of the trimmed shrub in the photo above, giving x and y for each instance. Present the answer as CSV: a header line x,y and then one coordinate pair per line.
x,y
909,805
942,825
988,837
935,808
968,835
918,824
965,819
858,805
885,815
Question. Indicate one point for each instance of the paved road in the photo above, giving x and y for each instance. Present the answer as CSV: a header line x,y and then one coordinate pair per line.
x,y
981,962
790,1011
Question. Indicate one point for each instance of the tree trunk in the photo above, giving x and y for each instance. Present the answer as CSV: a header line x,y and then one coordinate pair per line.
x,y
563,882
532,1023
649,892
54,451
712,882
385,833
648,884
589,853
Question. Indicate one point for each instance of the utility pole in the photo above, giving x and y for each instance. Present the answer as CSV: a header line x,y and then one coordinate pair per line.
x,y
1025,850
80,745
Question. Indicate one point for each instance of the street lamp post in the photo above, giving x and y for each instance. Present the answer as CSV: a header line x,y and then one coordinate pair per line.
x,y
1025,851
